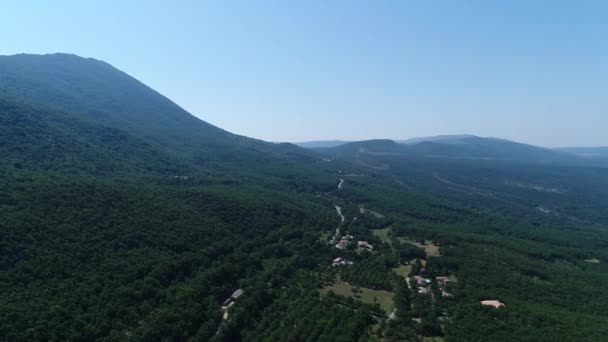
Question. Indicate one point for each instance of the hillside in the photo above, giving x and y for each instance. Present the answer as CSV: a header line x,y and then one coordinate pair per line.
x,y
100,93
41,139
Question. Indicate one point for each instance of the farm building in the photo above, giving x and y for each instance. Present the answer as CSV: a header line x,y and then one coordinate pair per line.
x,y
364,244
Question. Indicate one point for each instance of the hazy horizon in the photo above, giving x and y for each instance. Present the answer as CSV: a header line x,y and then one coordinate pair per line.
x,y
532,73
431,136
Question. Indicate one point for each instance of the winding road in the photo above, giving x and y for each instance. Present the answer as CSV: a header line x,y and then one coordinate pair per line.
x,y
339,211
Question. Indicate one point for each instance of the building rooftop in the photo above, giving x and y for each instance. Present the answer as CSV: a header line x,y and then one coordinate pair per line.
x,y
494,303
237,293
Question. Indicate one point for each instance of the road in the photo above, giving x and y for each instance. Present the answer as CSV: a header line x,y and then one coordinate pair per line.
x,y
339,211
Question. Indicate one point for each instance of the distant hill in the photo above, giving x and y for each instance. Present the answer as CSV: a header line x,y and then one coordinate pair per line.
x,y
446,139
321,143
586,152
376,146
456,147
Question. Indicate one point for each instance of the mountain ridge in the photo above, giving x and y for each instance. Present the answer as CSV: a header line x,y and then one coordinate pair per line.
x,y
470,147
100,93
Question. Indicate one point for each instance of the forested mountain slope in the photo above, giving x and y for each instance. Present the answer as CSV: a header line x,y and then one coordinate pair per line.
x,y
43,139
99,92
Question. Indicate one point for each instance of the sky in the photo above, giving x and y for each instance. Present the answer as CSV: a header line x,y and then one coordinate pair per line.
x,y
530,71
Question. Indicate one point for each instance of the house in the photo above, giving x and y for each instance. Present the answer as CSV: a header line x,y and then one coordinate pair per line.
x,y
341,262
343,244
422,282
237,294
364,244
233,297
423,290
225,310
494,303
443,280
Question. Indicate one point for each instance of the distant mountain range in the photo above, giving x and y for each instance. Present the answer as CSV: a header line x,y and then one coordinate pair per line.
x,y
446,139
462,147
587,152
321,143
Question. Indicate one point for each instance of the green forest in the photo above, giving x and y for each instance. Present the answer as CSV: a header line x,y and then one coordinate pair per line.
x,y
112,230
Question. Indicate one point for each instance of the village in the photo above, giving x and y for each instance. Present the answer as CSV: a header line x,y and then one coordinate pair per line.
x,y
421,283
353,256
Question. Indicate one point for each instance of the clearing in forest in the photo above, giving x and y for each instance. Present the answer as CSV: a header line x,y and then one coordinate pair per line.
x,y
363,210
593,261
384,298
382,234
403,270
429,247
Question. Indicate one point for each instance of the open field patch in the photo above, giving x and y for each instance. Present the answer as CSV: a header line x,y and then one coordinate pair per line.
x,y
403,270
368,296
383,234
363,210
429,247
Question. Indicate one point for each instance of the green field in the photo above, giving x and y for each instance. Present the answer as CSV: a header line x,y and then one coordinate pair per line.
x,y
403,270
429,247
383,234
384,298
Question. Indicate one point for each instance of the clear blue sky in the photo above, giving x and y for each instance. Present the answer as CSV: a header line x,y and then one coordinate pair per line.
x,y
532,71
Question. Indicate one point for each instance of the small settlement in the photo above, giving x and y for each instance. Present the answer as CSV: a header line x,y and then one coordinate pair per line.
x,y
347,240
423,285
